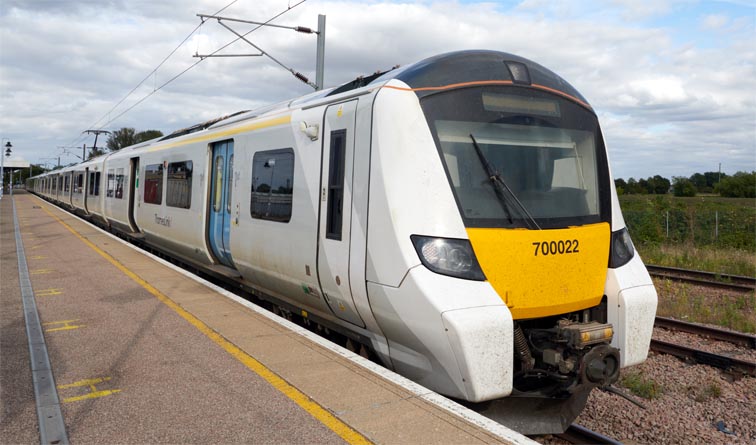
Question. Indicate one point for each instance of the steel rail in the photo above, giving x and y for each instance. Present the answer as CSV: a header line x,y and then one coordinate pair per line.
x,y
738,338
705,358
579,434
723,281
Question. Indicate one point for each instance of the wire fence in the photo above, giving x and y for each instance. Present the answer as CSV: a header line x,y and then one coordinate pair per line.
x,y
729,228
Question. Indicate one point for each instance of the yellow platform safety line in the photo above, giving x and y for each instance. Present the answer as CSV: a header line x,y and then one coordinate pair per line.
x,y
313,408
38,257
48,292
65,325
36,247
94,394
41,271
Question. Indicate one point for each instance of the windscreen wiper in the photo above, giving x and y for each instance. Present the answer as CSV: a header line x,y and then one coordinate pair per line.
x,y
503,192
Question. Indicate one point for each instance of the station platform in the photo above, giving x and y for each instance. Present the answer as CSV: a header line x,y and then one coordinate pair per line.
x,y
130,349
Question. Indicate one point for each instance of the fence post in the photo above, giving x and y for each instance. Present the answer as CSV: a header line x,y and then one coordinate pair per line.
x,y
667,223
716,225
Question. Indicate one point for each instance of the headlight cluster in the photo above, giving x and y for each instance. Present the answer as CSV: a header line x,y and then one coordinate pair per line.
x,y
622,249
453,257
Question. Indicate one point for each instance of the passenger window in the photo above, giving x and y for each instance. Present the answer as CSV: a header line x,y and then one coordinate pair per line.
x,y
179,193
98,176
79,183
120,181
111,183
153,184
336,185
272,185
218,198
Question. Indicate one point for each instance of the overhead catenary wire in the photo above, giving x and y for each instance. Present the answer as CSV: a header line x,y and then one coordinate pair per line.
x,y
152,74
197,63
158,88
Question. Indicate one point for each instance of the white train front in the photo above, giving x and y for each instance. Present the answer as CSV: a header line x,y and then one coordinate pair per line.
x,y
456,216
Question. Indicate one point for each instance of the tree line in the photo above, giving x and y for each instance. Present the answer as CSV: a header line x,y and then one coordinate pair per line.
x,y
124,137
739,185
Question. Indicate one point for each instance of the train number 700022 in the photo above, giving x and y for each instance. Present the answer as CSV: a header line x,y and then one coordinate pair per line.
x,y
556,247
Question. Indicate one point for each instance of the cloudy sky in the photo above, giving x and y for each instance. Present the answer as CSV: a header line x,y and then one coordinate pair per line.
x,y
673,81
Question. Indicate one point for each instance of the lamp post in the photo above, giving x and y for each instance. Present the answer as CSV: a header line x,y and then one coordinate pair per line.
x,y
7,153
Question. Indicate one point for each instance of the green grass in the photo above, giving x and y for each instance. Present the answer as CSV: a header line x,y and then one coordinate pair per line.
x,y
724,260
641,386
702,394
683,301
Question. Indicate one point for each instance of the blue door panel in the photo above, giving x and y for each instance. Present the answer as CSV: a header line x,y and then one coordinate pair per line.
x,y
219,227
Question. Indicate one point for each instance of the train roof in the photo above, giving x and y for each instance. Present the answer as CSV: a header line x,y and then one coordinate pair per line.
x,y
453,68
424,77
461,67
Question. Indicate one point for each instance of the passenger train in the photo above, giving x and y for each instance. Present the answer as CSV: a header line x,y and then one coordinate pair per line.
x,y
456,217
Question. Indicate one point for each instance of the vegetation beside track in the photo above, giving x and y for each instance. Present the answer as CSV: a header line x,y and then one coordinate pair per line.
x,y
703,232
732,310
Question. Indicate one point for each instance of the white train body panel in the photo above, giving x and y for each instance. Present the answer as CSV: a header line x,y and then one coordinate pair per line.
x,y
115,179
179,230
95,195
632,310
278,256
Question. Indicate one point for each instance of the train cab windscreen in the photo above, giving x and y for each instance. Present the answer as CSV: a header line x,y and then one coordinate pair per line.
x,y
520,158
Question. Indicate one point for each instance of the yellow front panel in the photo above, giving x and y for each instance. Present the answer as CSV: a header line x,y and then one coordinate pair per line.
x,y
544,272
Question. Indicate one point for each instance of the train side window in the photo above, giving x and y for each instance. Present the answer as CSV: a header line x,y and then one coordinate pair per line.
x,y
120,182
67,183
230,183
94,183
336,185
111,183
179,188
153,184
218,184
272,185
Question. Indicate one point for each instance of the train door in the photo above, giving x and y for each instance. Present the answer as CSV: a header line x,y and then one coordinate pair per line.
x,y
219,225
134,194
85,189
68,198
336,210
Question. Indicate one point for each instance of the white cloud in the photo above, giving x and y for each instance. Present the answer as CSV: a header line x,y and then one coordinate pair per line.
x,y
655,91
634,9
714,21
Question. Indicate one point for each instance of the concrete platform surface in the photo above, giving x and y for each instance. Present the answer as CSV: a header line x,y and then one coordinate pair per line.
x,y
143,353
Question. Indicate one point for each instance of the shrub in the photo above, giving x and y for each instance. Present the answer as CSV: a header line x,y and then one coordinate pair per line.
x,y
740,185
683,186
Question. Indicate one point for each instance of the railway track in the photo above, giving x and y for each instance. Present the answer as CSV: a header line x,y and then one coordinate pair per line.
x,y
582,435
711,279
729,364
737,338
